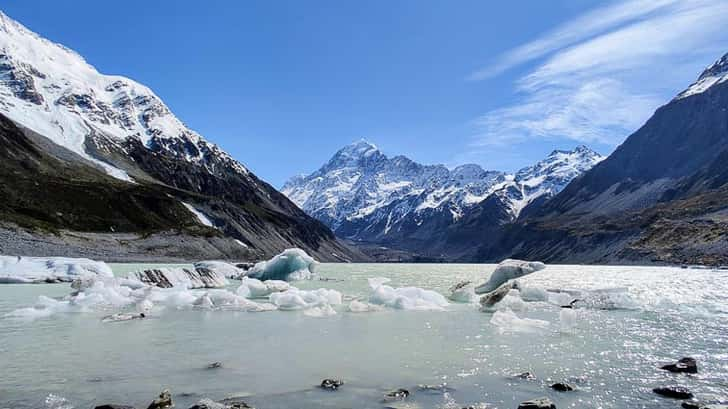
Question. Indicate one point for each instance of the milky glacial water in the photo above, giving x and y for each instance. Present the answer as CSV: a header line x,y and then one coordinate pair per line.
x,y
275,359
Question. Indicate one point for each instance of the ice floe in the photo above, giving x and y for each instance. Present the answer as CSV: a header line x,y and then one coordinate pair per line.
x,y
464,292
220,267
405,298
507,321
15,269
295,299
254,288
291,264
508,270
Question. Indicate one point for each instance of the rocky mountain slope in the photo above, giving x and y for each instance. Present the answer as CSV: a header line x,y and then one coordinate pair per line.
x,y
366,196
661,197
87,152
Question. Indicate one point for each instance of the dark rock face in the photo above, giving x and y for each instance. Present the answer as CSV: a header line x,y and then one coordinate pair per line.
x,y
562,387
676,392
656,199
539,403
331,384
684,365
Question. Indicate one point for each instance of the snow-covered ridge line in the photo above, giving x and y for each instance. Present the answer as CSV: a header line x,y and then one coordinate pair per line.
x,y
716,73
380,195
53,91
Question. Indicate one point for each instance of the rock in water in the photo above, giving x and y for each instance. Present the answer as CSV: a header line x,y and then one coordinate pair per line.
x,y
492,298
398,394
463,291
291,264
331,384
676,392
562,387
684,365
181,277
113,406
508,270
214,365
539,403
525,375
164,401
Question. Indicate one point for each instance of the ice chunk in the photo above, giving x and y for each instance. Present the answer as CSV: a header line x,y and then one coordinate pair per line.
x,y
323,311
507,321
532,294
291,264
359,306
49,269
405,298
508,270
295,299
375,282
220,267
463,291
567,318
180,277
253,288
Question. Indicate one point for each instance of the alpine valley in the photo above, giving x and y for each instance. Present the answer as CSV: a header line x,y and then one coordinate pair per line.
x,y
661,197
96,165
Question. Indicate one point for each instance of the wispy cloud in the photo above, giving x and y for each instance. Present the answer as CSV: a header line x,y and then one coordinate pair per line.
x,y
600,76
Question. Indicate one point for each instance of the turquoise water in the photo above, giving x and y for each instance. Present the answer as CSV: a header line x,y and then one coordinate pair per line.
x,y
275,359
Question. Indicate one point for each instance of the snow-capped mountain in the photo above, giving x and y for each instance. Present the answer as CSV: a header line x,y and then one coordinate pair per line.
x,y
716,73
60,113
53,91
364,195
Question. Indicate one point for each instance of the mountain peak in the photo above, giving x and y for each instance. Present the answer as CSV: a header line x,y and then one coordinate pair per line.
x,y
716,73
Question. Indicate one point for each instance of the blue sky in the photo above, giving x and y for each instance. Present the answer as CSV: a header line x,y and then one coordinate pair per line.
x,y
282,85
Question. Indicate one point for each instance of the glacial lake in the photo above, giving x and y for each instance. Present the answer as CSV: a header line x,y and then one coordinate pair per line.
x,y
610,349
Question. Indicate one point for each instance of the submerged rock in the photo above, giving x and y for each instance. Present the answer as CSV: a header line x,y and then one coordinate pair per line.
x,y
684,365
562,387
538,403
331,384
435,389
113,406
525,375
214,365
398,394
676,392
164,401
508,270
224,404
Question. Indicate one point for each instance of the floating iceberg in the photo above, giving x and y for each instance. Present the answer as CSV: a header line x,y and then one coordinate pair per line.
x,y
359,306
222,268
295,299
291,264
405,298
508,270
507,321
181,277
253,288
49,269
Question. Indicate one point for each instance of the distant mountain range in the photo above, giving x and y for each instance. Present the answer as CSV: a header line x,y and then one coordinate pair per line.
x,y
365,196
102,155
661,197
